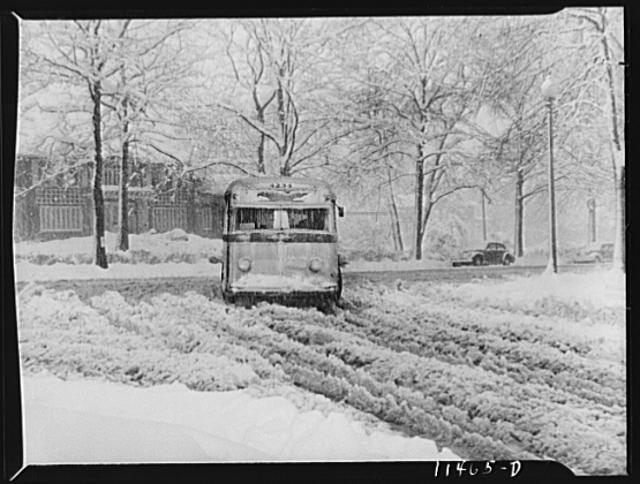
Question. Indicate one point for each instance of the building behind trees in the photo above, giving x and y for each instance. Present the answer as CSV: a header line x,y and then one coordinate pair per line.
x,y
48,207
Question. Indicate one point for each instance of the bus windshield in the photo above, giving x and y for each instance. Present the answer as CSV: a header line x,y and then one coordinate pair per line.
x,y
251,219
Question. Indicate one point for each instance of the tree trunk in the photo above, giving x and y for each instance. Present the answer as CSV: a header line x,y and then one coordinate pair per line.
x,y
395,218
191,207
419,200
123,193
282,121
519,222
285,170
425,220
100,255
420,174
618,158
484,218
261,167
623,217
620,225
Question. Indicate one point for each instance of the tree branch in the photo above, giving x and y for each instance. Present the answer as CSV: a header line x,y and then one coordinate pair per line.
x,y
255,126
453,190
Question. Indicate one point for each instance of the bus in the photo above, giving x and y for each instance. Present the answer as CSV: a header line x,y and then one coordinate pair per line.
x,y
280,242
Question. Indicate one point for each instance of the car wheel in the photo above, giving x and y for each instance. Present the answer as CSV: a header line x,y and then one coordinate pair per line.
x,y
477,260
508,260
597,259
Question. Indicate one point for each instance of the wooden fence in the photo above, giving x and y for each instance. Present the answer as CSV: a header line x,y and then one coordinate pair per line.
x,y
56,212
167,217
60,218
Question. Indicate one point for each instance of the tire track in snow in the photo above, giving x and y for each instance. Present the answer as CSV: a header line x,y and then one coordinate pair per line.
x,y
523,398
518,355
355,355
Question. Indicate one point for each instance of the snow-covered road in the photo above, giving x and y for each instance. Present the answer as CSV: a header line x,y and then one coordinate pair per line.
x,y
139,281
526,376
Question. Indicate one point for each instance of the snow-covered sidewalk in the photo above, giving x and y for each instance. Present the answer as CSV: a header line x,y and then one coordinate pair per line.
x,y
27,271
170,254
175,246
91,421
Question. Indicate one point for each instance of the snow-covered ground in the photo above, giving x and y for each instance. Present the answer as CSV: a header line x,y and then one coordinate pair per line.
x,y
170,254
83,421
598,289
174,252
151,248
519,367
461,365
27,271
387,265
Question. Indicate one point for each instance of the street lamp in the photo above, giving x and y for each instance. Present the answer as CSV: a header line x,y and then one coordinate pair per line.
x,y
549,92
591,226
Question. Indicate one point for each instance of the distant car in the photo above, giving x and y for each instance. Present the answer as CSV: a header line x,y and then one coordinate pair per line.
x,y
494,253
595,254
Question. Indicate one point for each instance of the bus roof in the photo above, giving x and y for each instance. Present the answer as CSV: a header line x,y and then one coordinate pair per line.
x,y
280,183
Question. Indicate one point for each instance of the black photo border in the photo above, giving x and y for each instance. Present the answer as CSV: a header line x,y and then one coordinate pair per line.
x,y
13,469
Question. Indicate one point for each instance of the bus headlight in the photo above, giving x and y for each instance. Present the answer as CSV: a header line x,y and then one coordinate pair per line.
x,y
315,265
244,264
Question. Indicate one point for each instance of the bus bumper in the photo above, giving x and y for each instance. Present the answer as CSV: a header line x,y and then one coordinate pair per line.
x,y
247,296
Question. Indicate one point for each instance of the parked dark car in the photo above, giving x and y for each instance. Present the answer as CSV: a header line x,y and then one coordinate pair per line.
x,y
494,253
595,254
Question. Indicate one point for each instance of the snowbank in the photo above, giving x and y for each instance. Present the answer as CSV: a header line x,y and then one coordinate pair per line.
x,y
173,246
597,289
26,271
86,421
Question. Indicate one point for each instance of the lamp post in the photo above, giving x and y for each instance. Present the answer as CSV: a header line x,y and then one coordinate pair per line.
x,y
591,206
484,218
549,92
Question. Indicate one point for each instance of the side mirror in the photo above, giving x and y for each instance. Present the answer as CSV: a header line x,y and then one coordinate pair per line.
x,y
340,211
342,260
214,260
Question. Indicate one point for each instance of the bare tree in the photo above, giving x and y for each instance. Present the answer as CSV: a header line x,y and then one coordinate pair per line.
x,y
602,52
150,67
512,61
430,97
253,55
287,75
376,158
81,53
